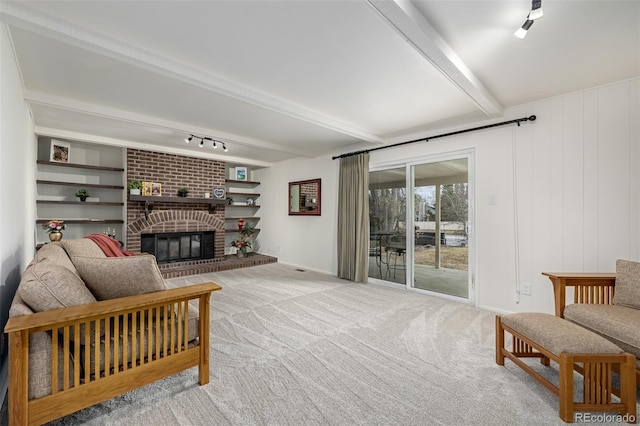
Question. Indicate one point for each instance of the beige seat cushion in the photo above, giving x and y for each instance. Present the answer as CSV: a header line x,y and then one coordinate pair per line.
x,y
627,291
46,285
558,335
619,324
113,277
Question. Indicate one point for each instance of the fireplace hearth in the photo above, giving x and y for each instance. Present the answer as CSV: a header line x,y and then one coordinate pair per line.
x,y
170,247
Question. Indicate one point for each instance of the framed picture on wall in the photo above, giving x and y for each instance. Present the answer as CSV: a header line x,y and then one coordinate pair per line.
x,y
59,151
241,173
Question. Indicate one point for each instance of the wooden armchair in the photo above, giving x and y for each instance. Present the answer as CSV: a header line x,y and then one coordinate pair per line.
x,y
604,303
103,349
587,288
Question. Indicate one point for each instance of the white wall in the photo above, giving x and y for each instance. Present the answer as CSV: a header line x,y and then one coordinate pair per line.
x,y
306,241
17,187
578,195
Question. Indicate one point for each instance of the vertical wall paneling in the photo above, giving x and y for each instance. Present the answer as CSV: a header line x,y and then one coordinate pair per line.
x,y
556,198
573,181
613,174
539,191
590,185
634,169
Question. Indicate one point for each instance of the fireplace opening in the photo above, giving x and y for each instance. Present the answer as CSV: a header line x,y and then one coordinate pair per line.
x,y
179,246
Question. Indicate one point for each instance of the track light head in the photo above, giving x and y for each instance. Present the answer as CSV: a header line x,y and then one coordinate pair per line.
x,y
214,145
224,147
522,31
187,140
201,143
536,10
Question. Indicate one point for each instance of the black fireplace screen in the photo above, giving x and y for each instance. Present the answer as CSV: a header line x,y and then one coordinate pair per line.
x,y
179,246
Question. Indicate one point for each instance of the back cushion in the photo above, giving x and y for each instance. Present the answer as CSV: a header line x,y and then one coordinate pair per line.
x,y
46,285
82,247
627,291
113,277
56,254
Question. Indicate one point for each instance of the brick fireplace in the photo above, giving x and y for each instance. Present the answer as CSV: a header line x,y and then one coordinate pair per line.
x,y
172,171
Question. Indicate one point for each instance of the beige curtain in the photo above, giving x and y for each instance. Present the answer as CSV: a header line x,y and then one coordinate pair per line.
x,y
353,218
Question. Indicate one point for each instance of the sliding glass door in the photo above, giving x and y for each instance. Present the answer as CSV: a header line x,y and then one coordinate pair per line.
x,y
420,221
387,221
440,227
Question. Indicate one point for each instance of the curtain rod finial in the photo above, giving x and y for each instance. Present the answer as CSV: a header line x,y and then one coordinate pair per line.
x,y
532,118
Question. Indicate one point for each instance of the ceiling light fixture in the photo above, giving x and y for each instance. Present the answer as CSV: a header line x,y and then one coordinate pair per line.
x,y
535,13
522,31
536,10
206,138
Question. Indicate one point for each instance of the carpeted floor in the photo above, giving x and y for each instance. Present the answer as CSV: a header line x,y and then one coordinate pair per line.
x,y
301,348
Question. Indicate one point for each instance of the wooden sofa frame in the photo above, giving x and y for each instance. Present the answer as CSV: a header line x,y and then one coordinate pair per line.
x,y
167,350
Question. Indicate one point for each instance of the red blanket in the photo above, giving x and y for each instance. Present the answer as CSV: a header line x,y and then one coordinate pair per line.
x,y
109,246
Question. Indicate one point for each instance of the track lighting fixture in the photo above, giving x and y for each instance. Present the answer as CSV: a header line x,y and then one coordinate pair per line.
x,y
535,13
206,138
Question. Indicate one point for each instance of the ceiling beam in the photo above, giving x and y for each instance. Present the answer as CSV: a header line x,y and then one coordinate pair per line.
x,y
52,101
407,20
29,19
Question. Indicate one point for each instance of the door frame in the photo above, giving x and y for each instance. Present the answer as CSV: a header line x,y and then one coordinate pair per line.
x,y
470,155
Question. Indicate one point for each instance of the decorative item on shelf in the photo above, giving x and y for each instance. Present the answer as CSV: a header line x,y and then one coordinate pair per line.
x,y
54,228
243,243
229,200
152,189
83,194
219,193
109,232
59,151
134,187
182,192
241,173
250,201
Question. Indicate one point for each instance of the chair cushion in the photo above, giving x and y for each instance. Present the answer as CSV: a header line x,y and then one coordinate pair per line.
x,y
619,324
627,292
113,277
557,335
46,285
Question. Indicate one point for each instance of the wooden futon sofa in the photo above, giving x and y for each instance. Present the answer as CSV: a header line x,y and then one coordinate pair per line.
x,y
84,328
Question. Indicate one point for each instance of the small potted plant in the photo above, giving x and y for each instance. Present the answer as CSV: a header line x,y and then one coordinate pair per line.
x,y
182,192
243,244
83,194
134,187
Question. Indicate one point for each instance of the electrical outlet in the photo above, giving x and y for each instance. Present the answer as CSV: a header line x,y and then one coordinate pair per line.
x,y
525,289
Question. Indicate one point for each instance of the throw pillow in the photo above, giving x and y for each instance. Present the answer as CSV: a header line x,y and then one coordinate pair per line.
x,y
47,286
113,277
627,292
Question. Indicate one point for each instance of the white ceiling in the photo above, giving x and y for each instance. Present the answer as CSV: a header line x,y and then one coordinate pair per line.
x,y
279,79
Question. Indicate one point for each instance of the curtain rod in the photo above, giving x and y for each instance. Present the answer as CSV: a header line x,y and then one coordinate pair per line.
x,y
427,139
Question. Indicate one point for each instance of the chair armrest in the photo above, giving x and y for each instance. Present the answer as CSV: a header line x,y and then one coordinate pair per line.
x,y
589,287
40,321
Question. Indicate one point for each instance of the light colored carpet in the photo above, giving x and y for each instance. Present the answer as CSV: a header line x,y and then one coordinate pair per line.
x,y
303,348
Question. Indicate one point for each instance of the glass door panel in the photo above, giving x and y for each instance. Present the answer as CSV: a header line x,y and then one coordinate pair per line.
x,y
388,230
440,228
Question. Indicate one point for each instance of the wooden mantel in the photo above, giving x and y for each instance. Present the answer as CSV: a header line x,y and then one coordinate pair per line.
x,y
149,202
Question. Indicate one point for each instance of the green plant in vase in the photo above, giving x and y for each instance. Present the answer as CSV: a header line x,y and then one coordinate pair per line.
x,y
182,192
83,194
